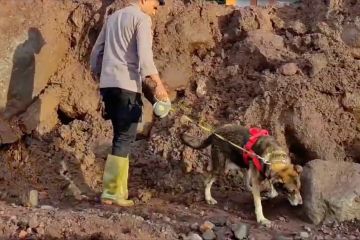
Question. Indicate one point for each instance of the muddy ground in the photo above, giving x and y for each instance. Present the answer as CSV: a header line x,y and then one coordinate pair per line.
x,y
293,70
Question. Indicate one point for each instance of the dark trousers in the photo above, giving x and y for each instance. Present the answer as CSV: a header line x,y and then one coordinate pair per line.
x,y
124,108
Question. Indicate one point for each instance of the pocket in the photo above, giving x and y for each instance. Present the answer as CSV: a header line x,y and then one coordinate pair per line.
x,y
136,113
136,109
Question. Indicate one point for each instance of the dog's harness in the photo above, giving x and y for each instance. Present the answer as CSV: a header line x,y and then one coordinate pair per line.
x,y
250,155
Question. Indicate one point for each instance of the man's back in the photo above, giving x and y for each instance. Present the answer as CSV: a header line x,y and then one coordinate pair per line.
x,y
127,49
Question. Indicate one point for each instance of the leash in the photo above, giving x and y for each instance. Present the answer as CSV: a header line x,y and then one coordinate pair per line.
x,y
209,130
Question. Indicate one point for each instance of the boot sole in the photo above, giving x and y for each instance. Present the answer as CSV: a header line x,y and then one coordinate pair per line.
x,y
111,202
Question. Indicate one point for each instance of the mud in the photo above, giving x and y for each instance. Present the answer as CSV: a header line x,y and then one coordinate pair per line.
x,y
293,70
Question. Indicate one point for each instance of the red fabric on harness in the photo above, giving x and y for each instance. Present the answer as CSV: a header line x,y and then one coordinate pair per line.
x,y
255,134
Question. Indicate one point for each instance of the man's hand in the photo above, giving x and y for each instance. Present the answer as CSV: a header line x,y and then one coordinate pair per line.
x,y
161,93
157,87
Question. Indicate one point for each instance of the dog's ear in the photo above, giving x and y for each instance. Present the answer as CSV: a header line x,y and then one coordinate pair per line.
x,y
298,169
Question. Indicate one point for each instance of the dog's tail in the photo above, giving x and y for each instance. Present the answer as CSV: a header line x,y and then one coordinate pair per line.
x,y
196,143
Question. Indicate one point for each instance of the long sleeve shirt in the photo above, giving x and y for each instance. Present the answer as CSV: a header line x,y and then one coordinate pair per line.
x,y
122,53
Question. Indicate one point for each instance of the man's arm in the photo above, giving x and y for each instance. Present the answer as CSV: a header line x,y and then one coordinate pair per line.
x,y
97,52
148,69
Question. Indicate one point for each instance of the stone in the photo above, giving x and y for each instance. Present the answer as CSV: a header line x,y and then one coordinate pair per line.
x,y
317,62
208,235
201,87
34,198
281,237
223,233
297,27
304,235
219,220
207,225
42,115
22,234
33,222
194,226
289,69
193,236
331,191
351,35
241,231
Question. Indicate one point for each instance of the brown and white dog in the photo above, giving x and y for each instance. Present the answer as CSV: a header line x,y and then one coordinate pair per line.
x,y
279,174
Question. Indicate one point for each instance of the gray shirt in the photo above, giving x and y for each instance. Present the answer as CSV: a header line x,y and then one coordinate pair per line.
x,y
123,50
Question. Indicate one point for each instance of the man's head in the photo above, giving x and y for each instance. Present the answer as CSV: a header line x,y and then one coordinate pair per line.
x,y
150,6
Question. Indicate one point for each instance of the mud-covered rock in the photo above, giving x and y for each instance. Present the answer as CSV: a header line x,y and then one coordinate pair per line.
x,y
324,194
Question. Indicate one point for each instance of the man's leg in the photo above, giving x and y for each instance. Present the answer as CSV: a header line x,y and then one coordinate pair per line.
x,y
118,104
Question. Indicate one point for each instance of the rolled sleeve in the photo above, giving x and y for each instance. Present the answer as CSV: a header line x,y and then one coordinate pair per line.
x,y
144,46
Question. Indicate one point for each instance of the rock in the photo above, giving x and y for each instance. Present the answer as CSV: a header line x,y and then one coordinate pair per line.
x,y
206,226
40,230
297,27
209,235
241,230
262,48
289,69
193,236
307,229
351,35
219,220
33,222
304,235
42,114
7,133
201,87
47,207
166,219
319,41
144,195
22,234
282,219
280,237
317,63
324,195
223,233
34,198
194,226
232,70
351,101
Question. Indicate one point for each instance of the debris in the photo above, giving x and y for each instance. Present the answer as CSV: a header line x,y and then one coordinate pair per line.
x,y
289,69
208,235
304,235
207,225
34,198
194,226
240,230
193,236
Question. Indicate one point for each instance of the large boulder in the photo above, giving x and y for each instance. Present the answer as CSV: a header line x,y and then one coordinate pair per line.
x,y
331,191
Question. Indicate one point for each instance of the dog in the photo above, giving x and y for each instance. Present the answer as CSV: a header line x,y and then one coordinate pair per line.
x,y
279,174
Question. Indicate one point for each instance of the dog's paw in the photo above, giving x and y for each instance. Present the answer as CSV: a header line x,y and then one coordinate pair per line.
x,y
211,201
265,222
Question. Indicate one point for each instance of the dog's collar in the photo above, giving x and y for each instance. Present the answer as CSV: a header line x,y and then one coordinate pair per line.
x,y
271,155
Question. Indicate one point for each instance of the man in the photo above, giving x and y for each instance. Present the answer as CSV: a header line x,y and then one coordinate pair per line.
x,y
123,57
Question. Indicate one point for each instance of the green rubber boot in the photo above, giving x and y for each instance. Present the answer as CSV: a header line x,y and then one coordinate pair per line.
x,y
115,181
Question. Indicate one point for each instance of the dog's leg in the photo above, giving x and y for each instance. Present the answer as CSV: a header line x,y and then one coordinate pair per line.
x,y
257,198
208,183
248,180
